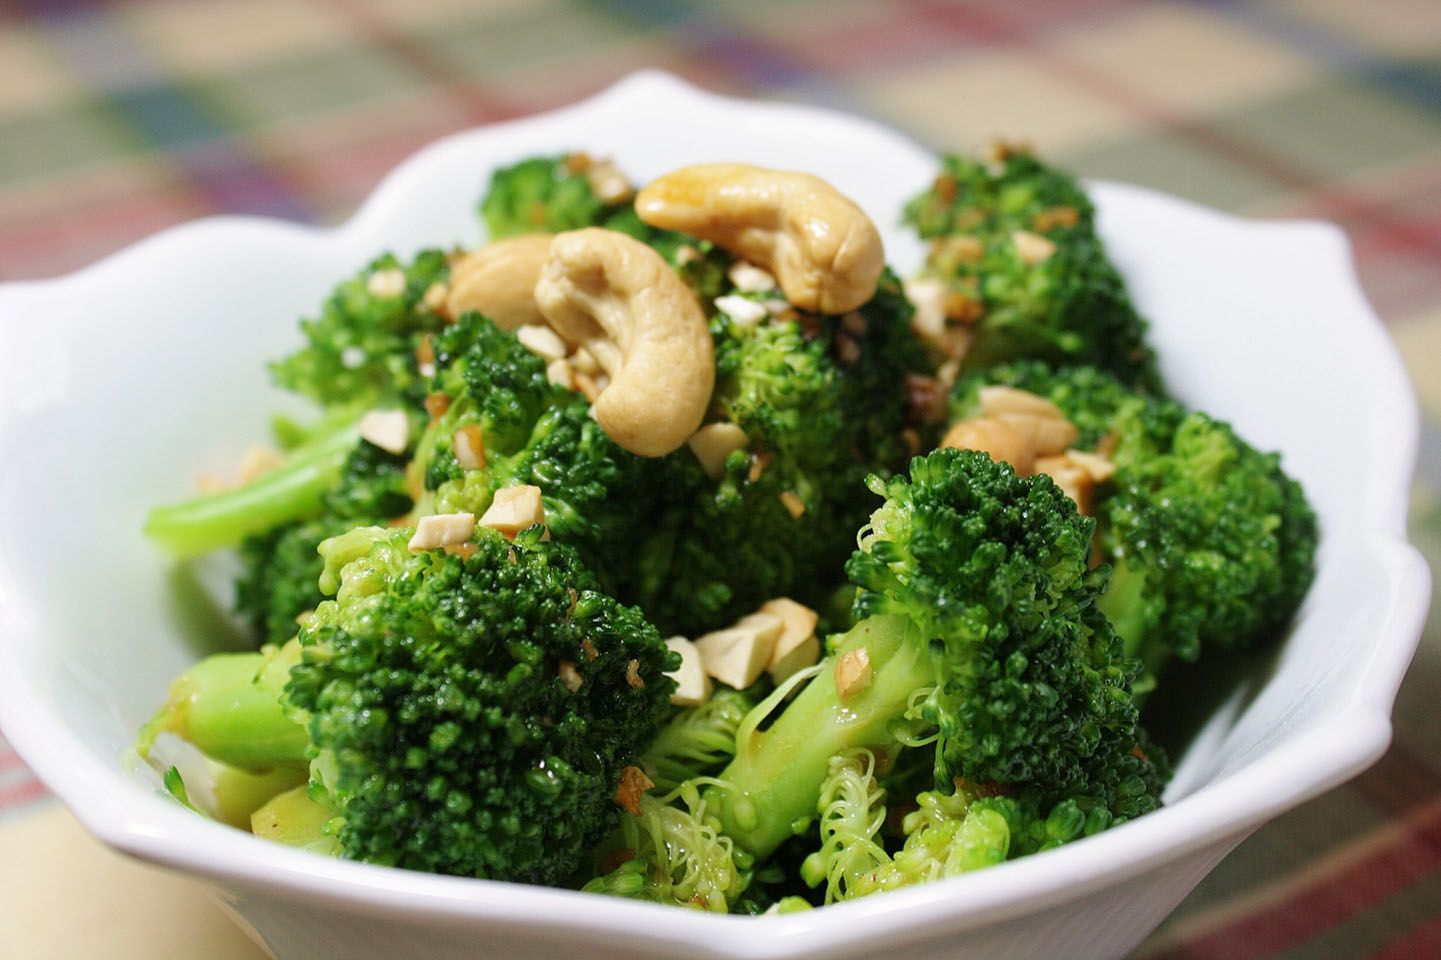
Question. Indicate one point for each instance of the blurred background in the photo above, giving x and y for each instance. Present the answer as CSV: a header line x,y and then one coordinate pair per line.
x,y
120,118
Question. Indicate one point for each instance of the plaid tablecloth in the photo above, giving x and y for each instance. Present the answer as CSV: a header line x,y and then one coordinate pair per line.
x,y
120,118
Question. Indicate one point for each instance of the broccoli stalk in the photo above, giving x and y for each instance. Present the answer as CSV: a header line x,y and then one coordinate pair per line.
x,y
777,773
229,707
292,490
981,641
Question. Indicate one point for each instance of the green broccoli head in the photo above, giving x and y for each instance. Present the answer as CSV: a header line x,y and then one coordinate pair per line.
x,y
280,567
555,193
993,570
1015,243
1212,544
822,401
979,641
597,496
547,194
474,708
361,350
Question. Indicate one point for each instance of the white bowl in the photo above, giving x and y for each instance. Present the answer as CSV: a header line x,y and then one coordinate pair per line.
x,y
117,383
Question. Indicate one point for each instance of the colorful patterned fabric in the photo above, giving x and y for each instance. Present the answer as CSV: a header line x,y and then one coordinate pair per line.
x,y
119,118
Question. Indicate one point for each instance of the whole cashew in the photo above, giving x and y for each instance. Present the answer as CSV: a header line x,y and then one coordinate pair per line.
x,y
823,249
622,302
498,281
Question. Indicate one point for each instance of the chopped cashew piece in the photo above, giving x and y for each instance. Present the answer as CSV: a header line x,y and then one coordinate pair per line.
x,y
1044,435
387,429
1100,468
793,503
749,278
441,530
559,372
739,654
591,387
797,647
259,460
1074,481
607,182
744,312
1032,248
435,296
583,362
498,281
993,437
623,303
999,401
570,678
633,678
541,341
713,442
853,672
822,248
692,684
386,283
513,509
468,445
633,785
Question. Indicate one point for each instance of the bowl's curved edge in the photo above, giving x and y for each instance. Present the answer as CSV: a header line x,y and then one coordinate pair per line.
x,y
154,829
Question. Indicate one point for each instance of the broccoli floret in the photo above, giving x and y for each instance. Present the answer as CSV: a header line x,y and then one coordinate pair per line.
x,y
467,711
361,351
555,193
965,828
597,496
1212,544
1015,244
280,568
980,639
547,194
823,403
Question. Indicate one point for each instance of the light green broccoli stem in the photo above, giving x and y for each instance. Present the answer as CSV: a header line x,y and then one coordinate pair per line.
x,y
228,794
299,818
852,811
292,490
696,741
228,706
777,773
679,854
1124,603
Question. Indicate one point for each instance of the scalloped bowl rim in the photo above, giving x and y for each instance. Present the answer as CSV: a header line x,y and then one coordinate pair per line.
x,y
154,829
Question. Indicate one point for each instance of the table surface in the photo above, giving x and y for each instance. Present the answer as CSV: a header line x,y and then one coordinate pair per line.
x,y
119,118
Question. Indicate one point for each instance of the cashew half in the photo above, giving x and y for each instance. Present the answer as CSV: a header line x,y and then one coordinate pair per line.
x,y
823,249
619,300
498,281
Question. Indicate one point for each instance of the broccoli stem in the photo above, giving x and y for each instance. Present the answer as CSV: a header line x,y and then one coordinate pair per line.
x,y
292,490
1124,604
776,776
295,819
228,706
